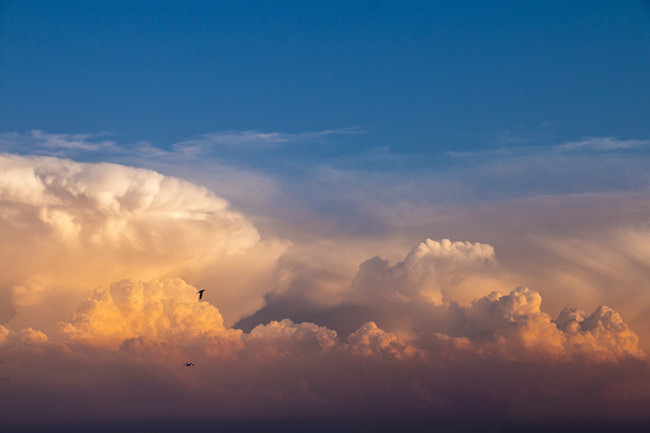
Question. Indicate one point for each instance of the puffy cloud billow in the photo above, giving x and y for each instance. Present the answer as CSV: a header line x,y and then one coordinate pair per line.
x,y
401,296
514,326
161,311
423,275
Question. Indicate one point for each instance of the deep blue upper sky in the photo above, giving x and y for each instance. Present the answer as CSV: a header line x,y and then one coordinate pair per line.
x,y
418,77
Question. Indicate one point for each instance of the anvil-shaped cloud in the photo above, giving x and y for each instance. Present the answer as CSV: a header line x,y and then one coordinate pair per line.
x,y
68,227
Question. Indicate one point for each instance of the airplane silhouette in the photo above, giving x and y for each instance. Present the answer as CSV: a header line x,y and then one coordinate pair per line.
x,y
200,292
189,364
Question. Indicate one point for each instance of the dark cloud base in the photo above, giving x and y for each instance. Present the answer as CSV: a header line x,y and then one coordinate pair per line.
x,y
340,426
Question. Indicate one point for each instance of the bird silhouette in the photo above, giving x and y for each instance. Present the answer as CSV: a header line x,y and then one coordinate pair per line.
x,y
189,364
200,292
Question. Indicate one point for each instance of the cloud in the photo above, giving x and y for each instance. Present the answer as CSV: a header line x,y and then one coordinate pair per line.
x,y
285,338
413,296
68,227
122,354
603,144
499,356
158,311
132,314
423,276
370,340
27,337
412,299
252,139
517,147
514,326
602,334
101,263
40,142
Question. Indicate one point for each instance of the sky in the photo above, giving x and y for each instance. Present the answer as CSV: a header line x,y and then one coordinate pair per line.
x,y
401,213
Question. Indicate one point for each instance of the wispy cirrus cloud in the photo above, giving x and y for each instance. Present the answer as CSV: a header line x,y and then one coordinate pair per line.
x,y
587,145
37,141
71,145
255,140
603,144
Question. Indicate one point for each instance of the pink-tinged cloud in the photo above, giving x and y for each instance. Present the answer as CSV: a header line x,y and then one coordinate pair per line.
x,y
369,340
502,358
498,352
514,326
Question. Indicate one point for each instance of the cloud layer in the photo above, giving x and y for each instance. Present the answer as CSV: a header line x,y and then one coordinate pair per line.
x,y
101,265
134,338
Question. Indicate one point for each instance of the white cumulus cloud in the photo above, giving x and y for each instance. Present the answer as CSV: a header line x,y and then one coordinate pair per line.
x,y
423,275
68,227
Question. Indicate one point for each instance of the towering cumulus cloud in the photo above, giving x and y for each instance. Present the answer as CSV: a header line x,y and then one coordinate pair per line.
x,y
424,274
157,311
68,227
100,265
514,326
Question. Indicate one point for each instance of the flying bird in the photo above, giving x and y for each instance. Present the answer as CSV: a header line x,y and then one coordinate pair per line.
x,y
200,293
189,364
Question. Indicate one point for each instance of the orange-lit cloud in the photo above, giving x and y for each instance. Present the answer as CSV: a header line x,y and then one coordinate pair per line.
x,y
514,326
68,227
134,338
161,311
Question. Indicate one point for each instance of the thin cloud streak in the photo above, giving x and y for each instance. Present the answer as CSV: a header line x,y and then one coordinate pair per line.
x,y
254,140
37,141
586,145
604,144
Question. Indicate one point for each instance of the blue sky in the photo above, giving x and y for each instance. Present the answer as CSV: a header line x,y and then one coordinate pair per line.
x,y
348,111
417,77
